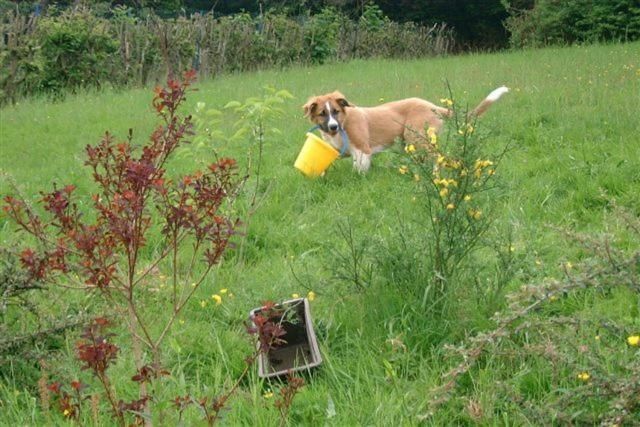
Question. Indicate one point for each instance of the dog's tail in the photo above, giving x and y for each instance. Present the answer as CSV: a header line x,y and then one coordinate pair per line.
x,y
490,99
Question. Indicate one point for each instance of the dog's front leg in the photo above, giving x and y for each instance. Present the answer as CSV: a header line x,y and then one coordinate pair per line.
x,y
361,160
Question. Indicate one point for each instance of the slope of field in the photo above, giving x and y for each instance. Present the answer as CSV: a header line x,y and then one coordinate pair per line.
x,y
571,119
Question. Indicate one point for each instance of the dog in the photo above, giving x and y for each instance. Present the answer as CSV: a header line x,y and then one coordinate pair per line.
x,y
364,131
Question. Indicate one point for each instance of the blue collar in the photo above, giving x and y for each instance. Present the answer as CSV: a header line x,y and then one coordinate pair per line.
x,y
343,134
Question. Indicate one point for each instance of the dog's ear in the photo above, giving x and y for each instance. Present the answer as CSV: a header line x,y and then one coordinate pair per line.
x,y
343,102
309,107
341,99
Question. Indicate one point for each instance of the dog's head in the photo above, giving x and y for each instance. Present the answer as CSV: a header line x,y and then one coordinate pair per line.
x,y
327,111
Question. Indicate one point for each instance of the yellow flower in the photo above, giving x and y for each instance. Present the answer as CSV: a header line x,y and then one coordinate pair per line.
x,y
444,192
203,303
466,130
446,101
295,295
491,172
584,376
66,413
568,265
311,296
217,298
634,340
403,169
475,214
268,394
181,321
483,163
433,136
416,177
440,159
224,291
410,148
467,198
451,206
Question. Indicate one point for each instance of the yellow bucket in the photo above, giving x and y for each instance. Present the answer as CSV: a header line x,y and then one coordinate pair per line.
x,y
315,157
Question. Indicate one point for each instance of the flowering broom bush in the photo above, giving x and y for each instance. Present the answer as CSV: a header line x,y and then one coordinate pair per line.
x,y
454,180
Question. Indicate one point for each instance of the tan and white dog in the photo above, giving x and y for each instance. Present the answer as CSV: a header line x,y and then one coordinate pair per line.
x,y
370,130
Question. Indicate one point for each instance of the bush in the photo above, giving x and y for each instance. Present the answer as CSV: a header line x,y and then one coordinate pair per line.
x,y
320,35
28,332
77,51
557,22
79,48
588,359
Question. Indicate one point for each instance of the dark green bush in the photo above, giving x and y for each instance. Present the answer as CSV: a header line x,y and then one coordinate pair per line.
x,y
28,329
77,51
321,35
559,22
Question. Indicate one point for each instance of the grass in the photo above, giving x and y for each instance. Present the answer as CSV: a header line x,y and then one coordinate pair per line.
x,y
571,118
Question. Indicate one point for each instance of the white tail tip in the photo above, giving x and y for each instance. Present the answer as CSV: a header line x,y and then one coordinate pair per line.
x,y
497,93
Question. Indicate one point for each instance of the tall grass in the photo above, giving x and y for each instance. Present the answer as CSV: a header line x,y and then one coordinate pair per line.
x,y
571,117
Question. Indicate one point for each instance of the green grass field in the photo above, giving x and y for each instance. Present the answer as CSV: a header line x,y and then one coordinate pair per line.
x,y
572,121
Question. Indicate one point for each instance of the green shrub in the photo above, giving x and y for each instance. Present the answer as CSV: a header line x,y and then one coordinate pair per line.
x,y
81,48
558,22
77,51
28,329
321,35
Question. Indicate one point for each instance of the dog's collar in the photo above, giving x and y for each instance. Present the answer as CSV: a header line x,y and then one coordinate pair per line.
x,y
343,134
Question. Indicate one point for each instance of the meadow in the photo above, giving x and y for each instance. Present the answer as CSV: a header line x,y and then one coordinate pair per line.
x,y
571,124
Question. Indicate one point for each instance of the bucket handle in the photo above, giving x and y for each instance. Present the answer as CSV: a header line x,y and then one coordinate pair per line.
x,y
343,134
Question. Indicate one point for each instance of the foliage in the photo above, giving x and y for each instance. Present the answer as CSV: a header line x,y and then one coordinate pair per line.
x,y
592,379
136,196
255,124
455,185
551,22
97,353
321,34
373,19
78,49
28,331
77,52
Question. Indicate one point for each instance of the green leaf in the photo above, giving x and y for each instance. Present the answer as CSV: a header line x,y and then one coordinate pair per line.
x,y
272,101
239,133
284,94
233,104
